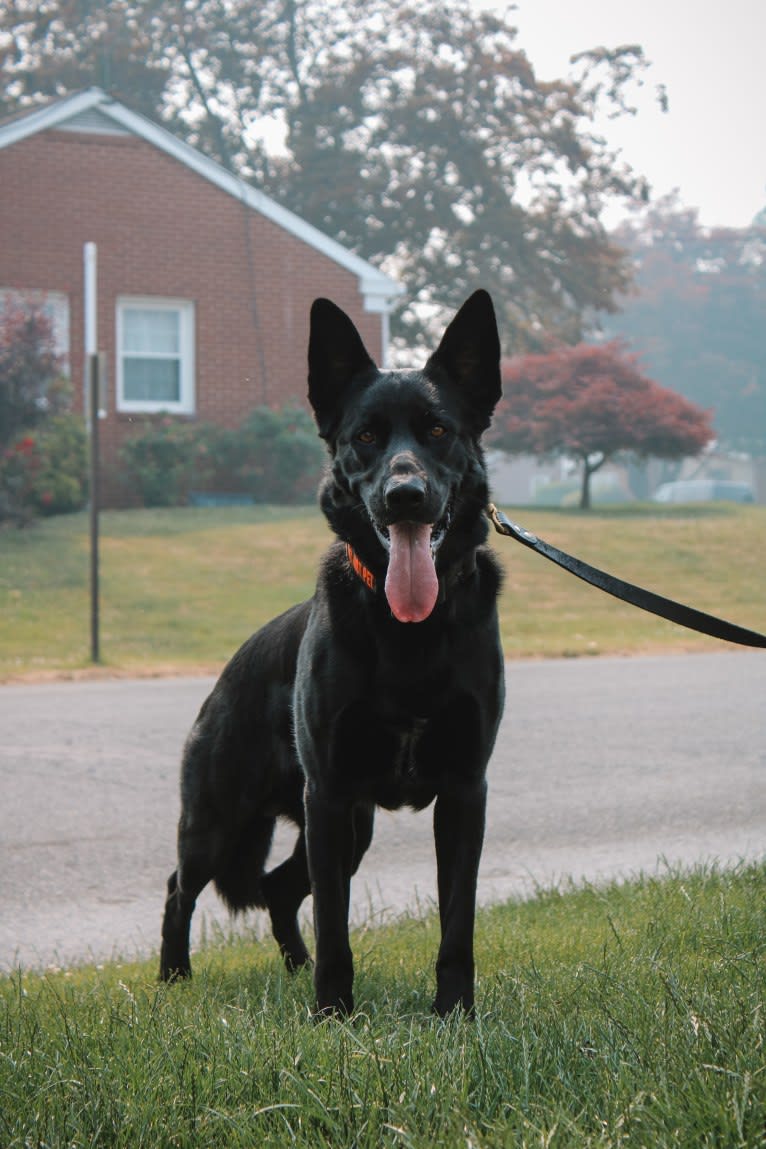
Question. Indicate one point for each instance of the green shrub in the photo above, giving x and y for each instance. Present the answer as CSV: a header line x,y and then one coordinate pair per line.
x,y
554,494
44,472
274,456
167,457
279,455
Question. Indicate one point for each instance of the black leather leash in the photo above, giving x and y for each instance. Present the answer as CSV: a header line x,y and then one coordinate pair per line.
x,y
636,595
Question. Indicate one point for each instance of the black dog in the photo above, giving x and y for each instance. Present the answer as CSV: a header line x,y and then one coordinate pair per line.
x,y
386,688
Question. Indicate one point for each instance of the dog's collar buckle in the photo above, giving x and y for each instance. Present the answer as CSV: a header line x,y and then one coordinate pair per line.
x,y
360,570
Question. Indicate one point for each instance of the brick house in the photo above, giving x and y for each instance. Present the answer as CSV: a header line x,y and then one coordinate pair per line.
x,y
204,283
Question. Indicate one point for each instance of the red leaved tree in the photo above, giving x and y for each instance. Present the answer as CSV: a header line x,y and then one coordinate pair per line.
x,y
591,402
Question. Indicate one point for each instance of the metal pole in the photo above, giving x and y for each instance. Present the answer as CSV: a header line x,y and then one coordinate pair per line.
x,y
91,353
95,653
385,338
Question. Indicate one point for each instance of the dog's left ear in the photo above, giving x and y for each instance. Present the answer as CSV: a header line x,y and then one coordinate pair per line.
x,y
469,354
336,357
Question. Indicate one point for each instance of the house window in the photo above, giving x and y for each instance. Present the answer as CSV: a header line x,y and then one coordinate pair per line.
x,y
155,355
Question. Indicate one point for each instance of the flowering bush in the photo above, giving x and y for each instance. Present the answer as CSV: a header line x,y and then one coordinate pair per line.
x,y
42,449
44,471
30,370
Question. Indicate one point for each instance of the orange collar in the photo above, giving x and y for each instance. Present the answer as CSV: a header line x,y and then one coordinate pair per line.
x,y
363,572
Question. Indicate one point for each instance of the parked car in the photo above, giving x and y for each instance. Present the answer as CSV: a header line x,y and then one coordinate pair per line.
x,y
703,491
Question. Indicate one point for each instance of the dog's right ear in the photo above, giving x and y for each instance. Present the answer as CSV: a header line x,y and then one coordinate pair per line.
x,y
337,356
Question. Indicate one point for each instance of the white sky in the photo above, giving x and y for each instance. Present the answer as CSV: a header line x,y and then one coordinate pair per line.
x,y
711,56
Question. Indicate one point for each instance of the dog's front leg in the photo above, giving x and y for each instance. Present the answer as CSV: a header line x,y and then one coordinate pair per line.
x,y
330,843
459,817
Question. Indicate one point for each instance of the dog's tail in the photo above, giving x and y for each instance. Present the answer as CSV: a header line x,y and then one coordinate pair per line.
x,y
239,879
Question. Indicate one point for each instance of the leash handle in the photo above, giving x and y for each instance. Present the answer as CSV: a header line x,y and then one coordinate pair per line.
x,y
637,596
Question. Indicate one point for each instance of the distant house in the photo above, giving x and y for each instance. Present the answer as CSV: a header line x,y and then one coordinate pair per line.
x,y
204,283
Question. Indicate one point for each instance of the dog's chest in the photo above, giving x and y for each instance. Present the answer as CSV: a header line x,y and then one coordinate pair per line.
x,y
405,745
391,767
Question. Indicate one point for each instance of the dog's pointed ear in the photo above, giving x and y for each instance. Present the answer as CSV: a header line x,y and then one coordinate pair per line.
x,y
336,357
469,354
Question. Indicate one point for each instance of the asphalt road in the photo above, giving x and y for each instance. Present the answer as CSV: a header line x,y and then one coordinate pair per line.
x,y
603,767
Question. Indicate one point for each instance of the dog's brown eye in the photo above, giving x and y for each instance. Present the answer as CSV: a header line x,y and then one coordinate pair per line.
x,y
366,437
437,431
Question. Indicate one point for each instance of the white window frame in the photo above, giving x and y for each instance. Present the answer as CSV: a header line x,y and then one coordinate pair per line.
x,y
186,403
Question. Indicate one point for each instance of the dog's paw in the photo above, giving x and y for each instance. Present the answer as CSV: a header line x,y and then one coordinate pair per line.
x,y
338,1012
296,962
171,973
446,1004
292,948
337,1005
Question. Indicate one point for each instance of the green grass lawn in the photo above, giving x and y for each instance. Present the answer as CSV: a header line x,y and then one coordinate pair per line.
x,y
627,1016
181,589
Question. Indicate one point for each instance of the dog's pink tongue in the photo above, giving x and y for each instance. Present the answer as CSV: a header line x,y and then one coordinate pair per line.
x,y
411,583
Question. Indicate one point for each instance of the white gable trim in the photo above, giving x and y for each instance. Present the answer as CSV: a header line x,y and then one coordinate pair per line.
x,y
27,124
378,290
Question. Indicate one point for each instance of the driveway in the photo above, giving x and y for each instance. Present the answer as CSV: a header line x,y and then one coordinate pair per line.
x,y
603,767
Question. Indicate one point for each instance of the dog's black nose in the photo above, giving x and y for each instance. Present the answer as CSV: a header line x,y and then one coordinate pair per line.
x,y
405,495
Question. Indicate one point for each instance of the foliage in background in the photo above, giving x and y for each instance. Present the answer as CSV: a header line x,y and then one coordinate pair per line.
x,y
166,457
278,455
274,456
30,370
43,452
699,314
44,472
418,135
591,402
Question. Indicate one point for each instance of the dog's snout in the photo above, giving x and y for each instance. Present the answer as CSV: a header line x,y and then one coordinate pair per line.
x,y
405,494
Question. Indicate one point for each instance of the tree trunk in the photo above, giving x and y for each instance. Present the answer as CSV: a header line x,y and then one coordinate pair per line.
x,y
585,488
589,467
